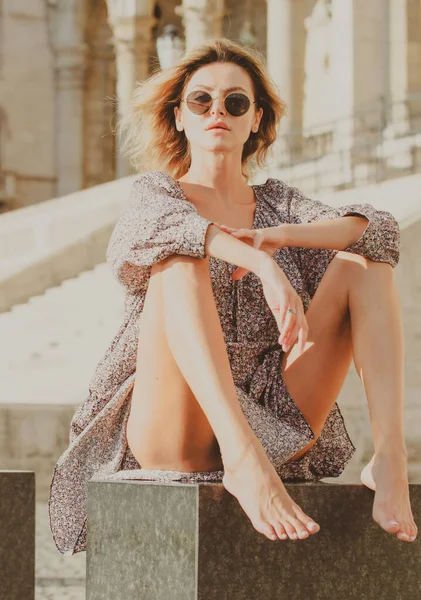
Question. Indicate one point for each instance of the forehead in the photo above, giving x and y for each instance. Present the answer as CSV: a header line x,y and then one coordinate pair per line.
x,y
220,76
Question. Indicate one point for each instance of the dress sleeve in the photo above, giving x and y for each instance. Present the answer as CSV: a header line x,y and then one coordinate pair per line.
x,y
380,240
155,225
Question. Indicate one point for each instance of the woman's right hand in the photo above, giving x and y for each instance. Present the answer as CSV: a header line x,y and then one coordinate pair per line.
x,y
281,296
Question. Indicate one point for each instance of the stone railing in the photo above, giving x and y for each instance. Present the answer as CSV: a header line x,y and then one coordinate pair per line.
x,y
44,244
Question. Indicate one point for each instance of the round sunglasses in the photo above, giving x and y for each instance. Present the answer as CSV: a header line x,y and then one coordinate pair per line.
x,y
236,103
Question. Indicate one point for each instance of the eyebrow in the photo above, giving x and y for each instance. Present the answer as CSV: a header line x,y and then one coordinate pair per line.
x,y
230,89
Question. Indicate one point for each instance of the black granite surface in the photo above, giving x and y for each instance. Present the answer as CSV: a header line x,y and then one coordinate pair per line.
x,y
155,541
17,535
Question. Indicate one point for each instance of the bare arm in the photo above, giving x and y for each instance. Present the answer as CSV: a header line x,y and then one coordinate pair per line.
x,y
222,245
334,234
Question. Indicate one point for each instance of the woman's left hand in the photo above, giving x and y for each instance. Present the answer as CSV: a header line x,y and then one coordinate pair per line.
x,y
268,239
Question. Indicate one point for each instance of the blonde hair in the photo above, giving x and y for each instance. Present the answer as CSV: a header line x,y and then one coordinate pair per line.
x,y
149,137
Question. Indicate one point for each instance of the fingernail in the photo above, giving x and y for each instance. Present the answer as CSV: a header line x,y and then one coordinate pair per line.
x,y
394,523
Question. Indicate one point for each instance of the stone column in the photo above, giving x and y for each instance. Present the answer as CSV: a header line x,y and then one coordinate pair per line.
x,y
405,64
202,19
285,61
100,89
70,52
132,24
359,82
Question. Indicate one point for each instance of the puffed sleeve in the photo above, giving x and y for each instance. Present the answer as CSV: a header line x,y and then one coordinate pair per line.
x,y
380,240
155,225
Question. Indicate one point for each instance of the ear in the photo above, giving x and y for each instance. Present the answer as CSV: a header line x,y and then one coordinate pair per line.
x,y
259,115
178,121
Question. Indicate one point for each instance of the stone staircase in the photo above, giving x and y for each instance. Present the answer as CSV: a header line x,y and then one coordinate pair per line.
x,y
55,340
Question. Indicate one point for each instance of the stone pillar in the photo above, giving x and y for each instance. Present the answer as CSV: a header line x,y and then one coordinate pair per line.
x,y
70,52
100,90
17,540
317,106
285,61
132,24
193,541
202,19
359,80
405,65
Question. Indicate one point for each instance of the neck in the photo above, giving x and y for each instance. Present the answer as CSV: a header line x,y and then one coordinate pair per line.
x,y
220,172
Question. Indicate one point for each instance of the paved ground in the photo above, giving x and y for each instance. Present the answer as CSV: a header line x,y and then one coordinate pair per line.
x,y
58,577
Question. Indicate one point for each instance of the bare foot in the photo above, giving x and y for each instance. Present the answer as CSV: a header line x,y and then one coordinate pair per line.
x,y
262,495
386,474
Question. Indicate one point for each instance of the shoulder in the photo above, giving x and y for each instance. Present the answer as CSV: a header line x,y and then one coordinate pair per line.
x,y
277,194
156,193
156,180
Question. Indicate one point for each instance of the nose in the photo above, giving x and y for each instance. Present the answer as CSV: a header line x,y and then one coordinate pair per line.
x,y
217,107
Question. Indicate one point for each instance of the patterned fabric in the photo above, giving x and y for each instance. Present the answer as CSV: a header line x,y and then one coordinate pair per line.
x,y
159,222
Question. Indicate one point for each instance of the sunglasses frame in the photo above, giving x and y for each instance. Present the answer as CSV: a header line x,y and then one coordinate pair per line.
x,y
215,98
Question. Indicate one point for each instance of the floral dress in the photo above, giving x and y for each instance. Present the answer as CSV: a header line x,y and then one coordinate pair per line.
x,y
158,222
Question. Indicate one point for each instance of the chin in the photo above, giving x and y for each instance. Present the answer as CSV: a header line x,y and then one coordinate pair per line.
x,y
217,146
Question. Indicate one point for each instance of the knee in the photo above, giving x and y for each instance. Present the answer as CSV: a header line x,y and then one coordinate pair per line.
x,y
355,266
183,260
179,267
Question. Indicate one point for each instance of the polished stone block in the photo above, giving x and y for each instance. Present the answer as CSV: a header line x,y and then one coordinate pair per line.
x,y
17,535
156,541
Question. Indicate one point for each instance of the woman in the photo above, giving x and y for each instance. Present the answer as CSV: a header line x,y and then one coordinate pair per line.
x,y
244,307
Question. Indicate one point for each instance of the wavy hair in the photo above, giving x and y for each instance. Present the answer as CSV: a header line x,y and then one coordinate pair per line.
x,y
149,137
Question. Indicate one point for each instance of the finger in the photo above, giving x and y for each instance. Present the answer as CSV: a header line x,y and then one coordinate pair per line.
x,y
288,324
226,228
257,241
239,273
282,316
298,330
243,233
302,339
291,338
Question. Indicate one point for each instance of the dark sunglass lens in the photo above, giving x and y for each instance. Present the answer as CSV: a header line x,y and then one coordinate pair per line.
x,y
199,102
237,104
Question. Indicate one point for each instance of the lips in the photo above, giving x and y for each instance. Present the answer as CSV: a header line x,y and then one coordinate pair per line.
x,y
218,126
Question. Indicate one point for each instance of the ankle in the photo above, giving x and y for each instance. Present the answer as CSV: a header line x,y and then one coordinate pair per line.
x,y
234,459
392,452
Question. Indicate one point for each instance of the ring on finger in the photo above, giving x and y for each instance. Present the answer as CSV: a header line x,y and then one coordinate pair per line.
x,y
288,328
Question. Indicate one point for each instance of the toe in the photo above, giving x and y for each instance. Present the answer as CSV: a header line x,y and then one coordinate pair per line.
x,y
388,522
290,529
391,526
266,529
280,530
404,534
310,525
301,529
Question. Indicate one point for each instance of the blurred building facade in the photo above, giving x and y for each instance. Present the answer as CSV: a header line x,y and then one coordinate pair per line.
x,y
349,70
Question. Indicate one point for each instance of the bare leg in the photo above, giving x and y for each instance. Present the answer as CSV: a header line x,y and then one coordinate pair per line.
x,y
362,293
379,358
167,429
170,428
